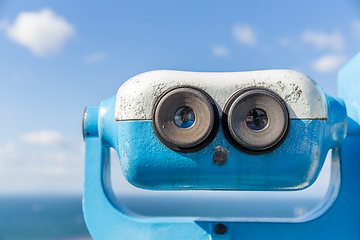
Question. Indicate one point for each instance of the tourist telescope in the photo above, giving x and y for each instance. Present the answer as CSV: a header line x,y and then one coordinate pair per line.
x,y
263,131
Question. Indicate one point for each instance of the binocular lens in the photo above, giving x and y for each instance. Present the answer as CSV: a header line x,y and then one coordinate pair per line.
x,y
257,120
184,117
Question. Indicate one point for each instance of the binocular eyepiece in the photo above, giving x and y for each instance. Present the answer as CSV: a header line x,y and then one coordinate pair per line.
x,y
185,119
254,120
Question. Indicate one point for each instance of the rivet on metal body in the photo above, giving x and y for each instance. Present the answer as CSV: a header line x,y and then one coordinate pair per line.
x,y
220,229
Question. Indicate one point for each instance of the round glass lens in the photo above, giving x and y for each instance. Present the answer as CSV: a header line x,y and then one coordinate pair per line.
x,y
184,117
257,119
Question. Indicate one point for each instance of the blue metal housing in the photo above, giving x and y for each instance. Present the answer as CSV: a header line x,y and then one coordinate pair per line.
x,y
294,165
147,163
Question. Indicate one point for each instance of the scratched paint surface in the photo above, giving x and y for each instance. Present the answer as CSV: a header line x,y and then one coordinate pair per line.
x,y
147,163
303,97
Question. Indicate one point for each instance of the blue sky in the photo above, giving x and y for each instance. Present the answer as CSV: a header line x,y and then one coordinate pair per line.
x,y
57,57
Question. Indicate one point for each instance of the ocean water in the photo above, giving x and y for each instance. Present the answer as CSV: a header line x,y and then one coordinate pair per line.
x,y
61,218
42,217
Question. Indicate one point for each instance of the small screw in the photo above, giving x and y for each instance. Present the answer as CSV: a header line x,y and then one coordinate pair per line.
x,y
220,229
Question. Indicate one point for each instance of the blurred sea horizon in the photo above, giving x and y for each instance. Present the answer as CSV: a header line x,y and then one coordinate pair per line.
x,y
59,217
55,217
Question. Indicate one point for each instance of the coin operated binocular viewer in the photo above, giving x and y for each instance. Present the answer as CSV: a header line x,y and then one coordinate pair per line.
x,y
240,131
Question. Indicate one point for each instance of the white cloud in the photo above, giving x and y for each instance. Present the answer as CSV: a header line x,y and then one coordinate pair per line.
x,y
95,57
39,168
220,51
356,28
322,40
43,32
44,138
329,63
244,35
8,152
